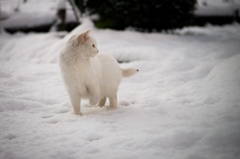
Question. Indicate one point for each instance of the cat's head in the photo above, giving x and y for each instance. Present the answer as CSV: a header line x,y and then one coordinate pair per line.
x,y
84,44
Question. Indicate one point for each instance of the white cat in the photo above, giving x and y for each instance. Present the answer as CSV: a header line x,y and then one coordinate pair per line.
x,y
88,74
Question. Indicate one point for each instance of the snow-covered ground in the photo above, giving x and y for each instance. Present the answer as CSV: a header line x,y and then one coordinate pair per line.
x,y
33,12
217,7
183,104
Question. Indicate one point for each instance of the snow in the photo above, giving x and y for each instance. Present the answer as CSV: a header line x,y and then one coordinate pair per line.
x,y
61,4
34,12
217,7
41,12
183,104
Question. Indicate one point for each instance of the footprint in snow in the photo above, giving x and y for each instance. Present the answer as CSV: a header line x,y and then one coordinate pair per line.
x,y
46,116
53,121
10,136
124,103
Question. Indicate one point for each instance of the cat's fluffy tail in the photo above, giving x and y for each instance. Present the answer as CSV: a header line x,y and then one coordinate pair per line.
x,y
129,72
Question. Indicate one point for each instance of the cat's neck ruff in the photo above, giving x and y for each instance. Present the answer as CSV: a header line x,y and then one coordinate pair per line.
x,y
81,61
75,57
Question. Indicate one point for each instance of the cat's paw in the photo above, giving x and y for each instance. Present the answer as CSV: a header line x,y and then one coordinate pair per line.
x,y
77,113
98,105
93,101
111,108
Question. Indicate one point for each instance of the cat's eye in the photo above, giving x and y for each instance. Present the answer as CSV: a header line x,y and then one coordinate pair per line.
x,y
93,45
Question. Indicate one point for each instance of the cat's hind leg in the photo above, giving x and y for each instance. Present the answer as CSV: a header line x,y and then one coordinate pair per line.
x,y
102,102
113,102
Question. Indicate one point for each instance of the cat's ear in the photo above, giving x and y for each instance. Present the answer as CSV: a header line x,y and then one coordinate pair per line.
x,y
84,36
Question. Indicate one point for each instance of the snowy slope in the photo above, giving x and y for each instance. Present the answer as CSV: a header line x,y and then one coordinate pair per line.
x,y
33,12
183,104
217,7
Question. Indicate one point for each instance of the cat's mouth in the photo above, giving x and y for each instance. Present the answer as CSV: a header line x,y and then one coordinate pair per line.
x,y
93,54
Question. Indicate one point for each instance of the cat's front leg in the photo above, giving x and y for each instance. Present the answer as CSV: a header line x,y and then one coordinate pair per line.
x,y
102,102
95,95
75,100
93,101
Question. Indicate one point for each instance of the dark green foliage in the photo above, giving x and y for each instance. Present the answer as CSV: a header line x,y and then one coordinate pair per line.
x,y
140,14
81,5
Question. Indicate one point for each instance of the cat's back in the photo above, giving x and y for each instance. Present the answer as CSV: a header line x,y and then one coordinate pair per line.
x,y
108,63
106,59
111,72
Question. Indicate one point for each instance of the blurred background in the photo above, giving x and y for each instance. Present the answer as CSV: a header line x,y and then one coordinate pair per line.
x,y
140,15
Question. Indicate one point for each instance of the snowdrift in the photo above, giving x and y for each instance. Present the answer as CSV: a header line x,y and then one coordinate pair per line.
x,y
184,103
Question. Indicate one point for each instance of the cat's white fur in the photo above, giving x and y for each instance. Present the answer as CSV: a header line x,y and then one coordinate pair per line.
x,y
88,74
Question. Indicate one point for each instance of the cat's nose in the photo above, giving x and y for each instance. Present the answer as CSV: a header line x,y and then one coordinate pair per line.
x,y
97,51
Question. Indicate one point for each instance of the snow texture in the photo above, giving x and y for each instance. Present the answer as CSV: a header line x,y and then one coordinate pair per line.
x,y
61,4
217,7
183,104
34,12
